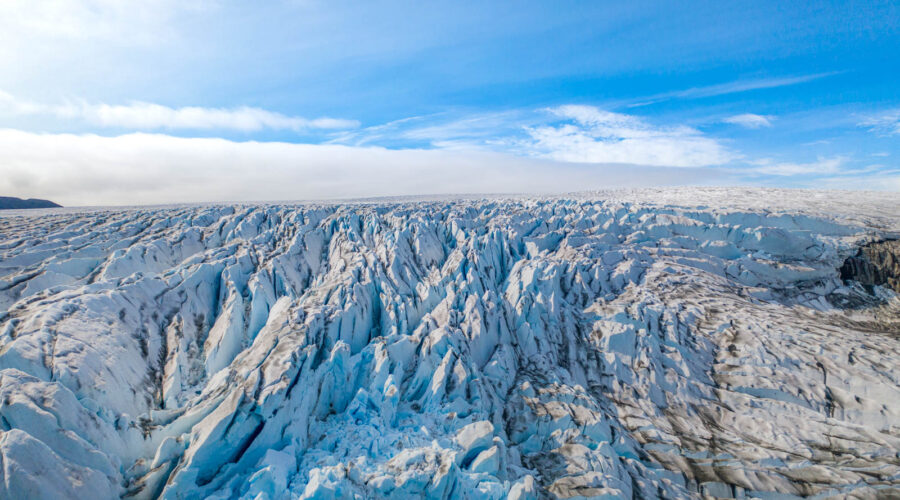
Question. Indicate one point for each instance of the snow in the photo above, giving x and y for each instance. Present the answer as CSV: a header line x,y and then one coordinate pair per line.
x,y
673,343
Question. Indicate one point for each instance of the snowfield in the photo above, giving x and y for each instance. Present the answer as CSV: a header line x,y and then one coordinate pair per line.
x,y
626,344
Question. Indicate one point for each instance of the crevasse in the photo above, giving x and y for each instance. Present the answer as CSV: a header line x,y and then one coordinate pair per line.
x,y
518,348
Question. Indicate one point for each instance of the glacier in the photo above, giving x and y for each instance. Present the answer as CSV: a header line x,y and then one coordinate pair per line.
x,y
652,343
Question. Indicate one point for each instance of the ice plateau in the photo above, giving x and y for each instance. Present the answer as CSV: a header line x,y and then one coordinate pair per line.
x,y
630,344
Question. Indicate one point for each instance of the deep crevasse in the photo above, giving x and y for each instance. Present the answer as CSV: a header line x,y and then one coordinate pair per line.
x,y
449,349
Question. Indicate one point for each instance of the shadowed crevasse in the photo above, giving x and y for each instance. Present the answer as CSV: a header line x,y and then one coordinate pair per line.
x,y
496,349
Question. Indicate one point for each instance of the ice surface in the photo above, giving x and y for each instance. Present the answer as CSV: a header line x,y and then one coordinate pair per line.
x,y
629,344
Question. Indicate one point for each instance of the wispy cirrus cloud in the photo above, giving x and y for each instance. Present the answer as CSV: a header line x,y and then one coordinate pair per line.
x,y
590,135
733,87
139,115
748,85
750,120
886,122
472,131
571,133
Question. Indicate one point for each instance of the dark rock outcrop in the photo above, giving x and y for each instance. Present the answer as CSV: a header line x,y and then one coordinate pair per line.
x,y
877,263
11,202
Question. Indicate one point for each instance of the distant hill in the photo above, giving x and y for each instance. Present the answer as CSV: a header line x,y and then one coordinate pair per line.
x,y
11,202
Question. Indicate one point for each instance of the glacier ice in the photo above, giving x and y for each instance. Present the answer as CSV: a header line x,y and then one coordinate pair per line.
x,y
629,344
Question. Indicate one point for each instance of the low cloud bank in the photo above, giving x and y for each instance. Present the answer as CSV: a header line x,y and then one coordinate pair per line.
x,y
155,168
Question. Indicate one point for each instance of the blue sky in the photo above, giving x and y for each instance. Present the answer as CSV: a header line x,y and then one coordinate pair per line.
x,y
106,102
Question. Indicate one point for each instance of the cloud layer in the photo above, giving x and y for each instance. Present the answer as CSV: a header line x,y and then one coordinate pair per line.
x,y
562,149
153,168
149,116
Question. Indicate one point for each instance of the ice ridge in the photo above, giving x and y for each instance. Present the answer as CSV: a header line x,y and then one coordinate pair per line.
x,y
521,348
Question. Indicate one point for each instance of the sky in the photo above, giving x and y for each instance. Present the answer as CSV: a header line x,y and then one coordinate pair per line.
x,y
107,102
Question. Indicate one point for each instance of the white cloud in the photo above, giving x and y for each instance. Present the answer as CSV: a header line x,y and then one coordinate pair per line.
x,y
887,122
592,135
153,168
750,120
822,166
149,116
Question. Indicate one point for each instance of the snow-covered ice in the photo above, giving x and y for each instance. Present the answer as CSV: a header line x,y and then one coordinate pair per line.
x,y
626,344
